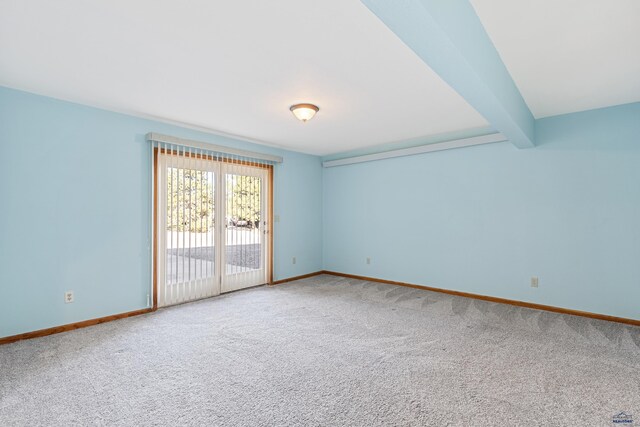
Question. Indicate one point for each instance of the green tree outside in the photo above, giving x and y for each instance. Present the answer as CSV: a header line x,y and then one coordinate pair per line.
x,y
244,198
190,200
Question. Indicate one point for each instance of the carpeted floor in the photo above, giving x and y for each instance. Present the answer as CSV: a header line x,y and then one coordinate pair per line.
x,y
328,351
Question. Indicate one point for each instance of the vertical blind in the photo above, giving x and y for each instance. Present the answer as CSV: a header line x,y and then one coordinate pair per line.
x,y
211,215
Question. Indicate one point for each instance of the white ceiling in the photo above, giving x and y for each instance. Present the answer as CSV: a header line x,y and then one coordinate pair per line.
x,y
233,66
567,55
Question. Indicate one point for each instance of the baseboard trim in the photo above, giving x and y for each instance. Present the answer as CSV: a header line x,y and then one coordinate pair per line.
x,y
97,321
561,310
304,276
91,322
72,326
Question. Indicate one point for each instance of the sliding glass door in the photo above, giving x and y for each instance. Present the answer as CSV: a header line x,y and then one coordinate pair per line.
x,y
211,222
245,224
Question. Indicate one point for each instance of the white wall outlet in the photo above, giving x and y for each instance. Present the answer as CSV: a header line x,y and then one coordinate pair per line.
x,y
368,260
68,297
293,260
534,281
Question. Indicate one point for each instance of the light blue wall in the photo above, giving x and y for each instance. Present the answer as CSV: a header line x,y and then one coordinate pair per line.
x,y
481,219
487,218
75,215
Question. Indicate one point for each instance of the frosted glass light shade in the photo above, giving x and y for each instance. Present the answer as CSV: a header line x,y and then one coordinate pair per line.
x,y
304,112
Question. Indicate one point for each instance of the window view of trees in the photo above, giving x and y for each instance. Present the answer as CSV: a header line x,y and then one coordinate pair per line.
x,y
190,200
243,201
191,240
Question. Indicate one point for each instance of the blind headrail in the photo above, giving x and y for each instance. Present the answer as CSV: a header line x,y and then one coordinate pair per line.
x,y
158,137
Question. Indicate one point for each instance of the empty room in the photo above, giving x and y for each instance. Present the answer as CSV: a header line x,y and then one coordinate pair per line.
x,y
319,213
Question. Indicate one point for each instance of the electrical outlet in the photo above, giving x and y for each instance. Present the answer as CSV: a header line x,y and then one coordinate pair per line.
x,y
68,297
276,218
368,260
293,260
534,281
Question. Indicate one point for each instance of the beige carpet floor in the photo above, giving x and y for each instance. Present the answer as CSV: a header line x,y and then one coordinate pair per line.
x,y
328,351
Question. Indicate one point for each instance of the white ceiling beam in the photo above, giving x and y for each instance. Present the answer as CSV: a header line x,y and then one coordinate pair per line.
x,y
449,37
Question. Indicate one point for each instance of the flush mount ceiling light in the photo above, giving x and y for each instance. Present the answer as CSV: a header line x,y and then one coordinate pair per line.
x,y
304,112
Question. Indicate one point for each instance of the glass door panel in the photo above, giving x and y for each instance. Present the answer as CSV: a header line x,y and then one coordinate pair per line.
x,y
245,227
211,212
187,265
